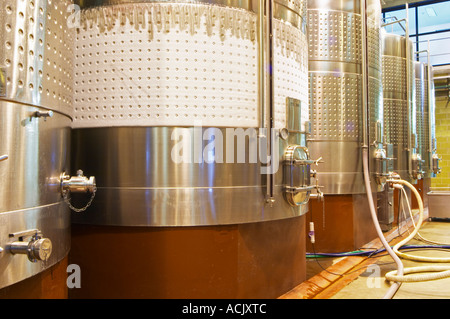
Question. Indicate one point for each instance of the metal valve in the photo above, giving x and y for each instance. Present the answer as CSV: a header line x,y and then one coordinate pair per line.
x,y
45,114
417,163
36,248
77,184
298,174
382,166
435,164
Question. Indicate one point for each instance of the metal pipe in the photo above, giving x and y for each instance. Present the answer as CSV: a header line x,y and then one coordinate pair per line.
x,y
269,97
261,63
265,83
408,92
364,75
430,108
394,22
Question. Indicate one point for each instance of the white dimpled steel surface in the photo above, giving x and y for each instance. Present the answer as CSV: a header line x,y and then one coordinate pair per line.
x,y
334,36
37,53
335,106
291,71
178,65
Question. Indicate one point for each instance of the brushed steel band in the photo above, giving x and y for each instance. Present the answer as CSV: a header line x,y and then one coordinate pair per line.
x,y
37,150
54,222
335,67
139,183
349,6
183,207
30,197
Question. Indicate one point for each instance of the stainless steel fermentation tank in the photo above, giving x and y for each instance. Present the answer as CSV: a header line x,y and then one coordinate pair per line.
x,y
35,119
36,59
35,144
346,95
400,120
425,119
174,103
400,105
425,126
422,114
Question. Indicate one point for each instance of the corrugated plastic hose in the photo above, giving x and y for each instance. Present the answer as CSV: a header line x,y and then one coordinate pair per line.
x,y
443,271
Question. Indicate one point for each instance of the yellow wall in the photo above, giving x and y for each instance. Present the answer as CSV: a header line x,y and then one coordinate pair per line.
x,y
443,142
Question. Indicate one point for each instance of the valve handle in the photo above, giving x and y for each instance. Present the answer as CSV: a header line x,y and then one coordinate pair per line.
x,y
36,248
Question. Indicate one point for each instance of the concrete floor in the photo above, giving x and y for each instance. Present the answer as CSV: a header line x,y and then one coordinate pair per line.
x,y
371,284
364,278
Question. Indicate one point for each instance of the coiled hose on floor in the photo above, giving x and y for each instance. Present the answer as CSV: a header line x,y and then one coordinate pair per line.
x,y
433,272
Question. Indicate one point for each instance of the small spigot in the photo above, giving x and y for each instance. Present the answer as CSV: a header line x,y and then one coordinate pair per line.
x,y
393,178
77,184
318,161
417,164
319,194
435,163
44,115
36,248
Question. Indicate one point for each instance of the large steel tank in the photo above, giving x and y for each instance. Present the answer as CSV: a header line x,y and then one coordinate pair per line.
x,y
151,76
425,119
422,114
345,83
400,106
35,117
341,79
425,127
173,105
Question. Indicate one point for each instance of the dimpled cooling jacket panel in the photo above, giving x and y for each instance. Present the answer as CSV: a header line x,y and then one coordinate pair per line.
x,y
155,64
36,51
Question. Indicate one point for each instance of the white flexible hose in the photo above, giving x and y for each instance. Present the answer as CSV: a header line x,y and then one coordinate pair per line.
x,y
412,219
443,271
396,285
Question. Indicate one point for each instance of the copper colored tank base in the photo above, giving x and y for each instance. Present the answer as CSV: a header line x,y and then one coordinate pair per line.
x,y
343,224
257,260
50,284
423,187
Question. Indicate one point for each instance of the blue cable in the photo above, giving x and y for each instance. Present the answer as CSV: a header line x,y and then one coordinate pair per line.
x,y
372,252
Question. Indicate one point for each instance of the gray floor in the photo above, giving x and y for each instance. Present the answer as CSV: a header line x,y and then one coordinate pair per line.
x,y
371,284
